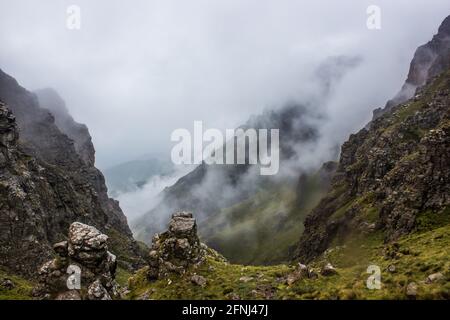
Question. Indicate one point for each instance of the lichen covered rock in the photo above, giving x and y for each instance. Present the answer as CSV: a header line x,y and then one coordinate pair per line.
x,y
177,248
83,264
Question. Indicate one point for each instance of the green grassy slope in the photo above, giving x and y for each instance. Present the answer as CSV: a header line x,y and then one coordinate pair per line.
x,y
412,259
21,289
261,230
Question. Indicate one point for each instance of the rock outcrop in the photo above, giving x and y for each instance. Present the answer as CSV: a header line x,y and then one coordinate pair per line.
x,y
429,60
393,173
83,268
45,185
176,249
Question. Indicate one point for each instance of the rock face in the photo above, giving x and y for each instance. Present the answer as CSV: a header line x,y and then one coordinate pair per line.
x,y
83,269
429,60
176,249
393,172
79,133
45,185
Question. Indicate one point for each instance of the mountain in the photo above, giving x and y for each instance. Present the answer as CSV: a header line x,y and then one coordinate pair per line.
x,y
381,231
78,132
393,176
429,60
228,199
48,181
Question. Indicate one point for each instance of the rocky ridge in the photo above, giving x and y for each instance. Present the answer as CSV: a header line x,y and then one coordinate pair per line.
x,y
393,174
429,61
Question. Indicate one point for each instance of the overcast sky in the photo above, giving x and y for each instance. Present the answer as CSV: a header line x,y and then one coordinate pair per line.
x,y
137,70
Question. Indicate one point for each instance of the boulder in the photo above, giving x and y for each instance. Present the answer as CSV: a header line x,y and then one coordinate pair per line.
x,y
83,268
7,284
69,295
198,280
175,250
245,279
328,270
299,273
97,291
435,277
411,290
86,244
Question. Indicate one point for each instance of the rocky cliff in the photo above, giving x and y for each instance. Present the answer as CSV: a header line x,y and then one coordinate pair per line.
x,y
393,176
46,184
49,99
429,60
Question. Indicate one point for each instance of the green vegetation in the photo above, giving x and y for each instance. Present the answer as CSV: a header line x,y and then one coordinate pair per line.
x,y
402,112
429,220
122,276
261,229
21,289
412,259
121,246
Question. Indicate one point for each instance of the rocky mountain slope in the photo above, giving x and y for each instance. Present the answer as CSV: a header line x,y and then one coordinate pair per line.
x,y
429,60
47,182
77,132
393,175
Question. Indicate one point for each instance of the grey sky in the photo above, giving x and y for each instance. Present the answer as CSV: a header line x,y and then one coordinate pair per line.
x,y
139,69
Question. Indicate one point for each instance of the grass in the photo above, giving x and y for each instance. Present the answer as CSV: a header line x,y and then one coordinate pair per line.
x,y
261,229
122,276
22,288
416,256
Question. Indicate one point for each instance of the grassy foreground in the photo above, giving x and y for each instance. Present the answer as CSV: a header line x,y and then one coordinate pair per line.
x,y
20,289
411,259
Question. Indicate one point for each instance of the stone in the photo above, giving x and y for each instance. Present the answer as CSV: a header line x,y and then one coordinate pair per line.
x,y
183,225
435,277
61,249
69,295
328,270
233,296
245,279
198,280
96,291
299,273
312,274
177,249
7,284
411,290
86,262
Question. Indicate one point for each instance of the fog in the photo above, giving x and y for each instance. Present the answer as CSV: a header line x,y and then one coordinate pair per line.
x,y
136,71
